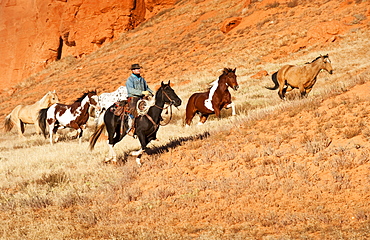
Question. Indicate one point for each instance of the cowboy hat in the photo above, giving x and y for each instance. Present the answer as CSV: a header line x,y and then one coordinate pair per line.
x,y
135,66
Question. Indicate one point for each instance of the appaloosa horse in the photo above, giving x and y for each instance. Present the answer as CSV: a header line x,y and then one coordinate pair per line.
x,y
146,126
108,99
71,116
212,101
302,77
27,114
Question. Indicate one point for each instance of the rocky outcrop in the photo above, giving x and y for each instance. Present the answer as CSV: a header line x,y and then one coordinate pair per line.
x,y
34,33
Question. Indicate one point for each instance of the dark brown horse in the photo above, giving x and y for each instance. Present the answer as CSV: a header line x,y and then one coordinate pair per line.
x,y
301,77
212,101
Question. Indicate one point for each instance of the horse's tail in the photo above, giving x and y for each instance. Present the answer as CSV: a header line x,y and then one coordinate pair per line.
x,y
8,124
42,120
274,79
96,135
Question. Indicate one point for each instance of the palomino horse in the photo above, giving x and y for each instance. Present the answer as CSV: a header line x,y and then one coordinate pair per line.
x,y
212,101
146,126
301,77
27,114
71,116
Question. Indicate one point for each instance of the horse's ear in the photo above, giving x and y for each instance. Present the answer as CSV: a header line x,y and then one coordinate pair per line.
x,y
162,83
169,82
234,70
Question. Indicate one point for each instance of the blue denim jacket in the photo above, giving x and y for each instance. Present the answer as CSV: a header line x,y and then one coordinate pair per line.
x,y
135,85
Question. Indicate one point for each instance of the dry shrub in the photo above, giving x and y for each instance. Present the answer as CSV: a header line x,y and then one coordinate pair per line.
x,y
316,143
352,131
269,219
362,214
292,3
53,179
131,193
273,5
37,202
344,159
164,192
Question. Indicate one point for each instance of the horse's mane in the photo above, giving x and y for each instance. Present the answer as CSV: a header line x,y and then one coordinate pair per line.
x,y
224,72
325,56
160,88
84,95
227,70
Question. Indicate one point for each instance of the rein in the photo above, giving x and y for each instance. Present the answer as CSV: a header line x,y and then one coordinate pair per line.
x,y
164,108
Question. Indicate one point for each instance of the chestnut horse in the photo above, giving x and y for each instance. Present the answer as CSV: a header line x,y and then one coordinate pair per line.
x,y
27,114
71,116
301,77
212,101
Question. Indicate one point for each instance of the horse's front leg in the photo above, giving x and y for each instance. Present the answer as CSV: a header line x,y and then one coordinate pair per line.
x,y
51,131
308,90
189,115
202,119
37,126
143,142
112,156
79,135
218,112
232,106
302,90
19,125
138,155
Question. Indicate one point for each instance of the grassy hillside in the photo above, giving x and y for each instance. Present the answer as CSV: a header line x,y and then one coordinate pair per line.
x,y
294,169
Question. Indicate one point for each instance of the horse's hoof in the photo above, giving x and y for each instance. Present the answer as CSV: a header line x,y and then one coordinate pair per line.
x,y
136,153
138,162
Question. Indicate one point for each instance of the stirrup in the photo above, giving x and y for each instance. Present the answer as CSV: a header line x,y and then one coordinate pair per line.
x,y
131,132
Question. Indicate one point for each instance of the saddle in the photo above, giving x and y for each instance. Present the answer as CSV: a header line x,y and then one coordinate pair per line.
x,y
120,108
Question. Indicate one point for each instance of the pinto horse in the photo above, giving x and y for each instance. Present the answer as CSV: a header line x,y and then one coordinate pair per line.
x,y
301,77
146,126
27,114
212,101
71,116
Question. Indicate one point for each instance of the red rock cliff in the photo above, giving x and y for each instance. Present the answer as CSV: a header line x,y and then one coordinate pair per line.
x,y
34,33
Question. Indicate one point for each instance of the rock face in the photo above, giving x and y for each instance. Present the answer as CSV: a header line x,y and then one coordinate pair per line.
x,y
34,33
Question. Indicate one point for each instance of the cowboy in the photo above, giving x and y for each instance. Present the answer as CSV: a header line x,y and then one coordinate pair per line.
x,y
137,88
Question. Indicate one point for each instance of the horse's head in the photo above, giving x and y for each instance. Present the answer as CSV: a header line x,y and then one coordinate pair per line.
x,y
326,63
94,99
52,97
168,95
230,76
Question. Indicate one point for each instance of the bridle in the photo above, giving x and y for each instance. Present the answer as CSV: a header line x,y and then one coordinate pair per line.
x,y
165,108
170,106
